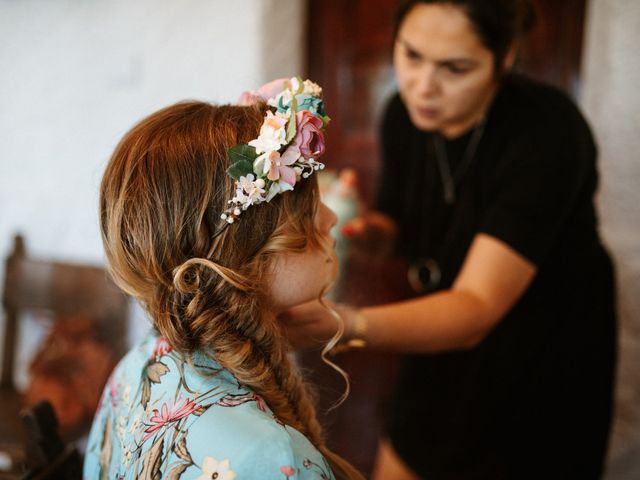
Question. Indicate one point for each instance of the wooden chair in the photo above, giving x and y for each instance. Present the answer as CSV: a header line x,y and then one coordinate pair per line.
x,y
48,458
54,289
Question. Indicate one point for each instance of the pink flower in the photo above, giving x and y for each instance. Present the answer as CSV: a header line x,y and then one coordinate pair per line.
x,y
279,167
113,391
260,403
288,470
161,347
264,93
183,408
309,138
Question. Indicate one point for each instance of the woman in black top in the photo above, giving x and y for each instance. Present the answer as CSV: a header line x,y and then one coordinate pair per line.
x,y
487,190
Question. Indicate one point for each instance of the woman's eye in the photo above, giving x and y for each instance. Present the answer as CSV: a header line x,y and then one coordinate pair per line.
x,y
456,70
411,55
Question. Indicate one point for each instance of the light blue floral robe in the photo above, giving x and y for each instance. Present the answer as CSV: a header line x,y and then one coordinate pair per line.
x,y
160,418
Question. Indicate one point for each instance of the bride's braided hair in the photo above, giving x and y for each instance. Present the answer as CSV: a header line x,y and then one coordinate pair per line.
x,y
160,203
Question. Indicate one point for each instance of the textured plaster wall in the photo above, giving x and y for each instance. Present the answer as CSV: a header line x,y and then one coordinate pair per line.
x,y
610,98
76,74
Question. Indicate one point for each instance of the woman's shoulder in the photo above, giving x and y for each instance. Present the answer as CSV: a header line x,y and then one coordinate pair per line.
x,y
247,435
164,414
536,103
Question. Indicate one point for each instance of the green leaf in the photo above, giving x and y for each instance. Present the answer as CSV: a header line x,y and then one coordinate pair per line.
x,y
242,152
146,392
155,370
181,449
291,127
300,86
176,472
152,461
105,454
241,168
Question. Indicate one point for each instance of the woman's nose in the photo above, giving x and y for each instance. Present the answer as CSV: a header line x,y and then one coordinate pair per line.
x,y
428,85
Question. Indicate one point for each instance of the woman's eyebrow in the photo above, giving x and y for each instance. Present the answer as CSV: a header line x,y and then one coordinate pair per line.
x,y
409,47
458,61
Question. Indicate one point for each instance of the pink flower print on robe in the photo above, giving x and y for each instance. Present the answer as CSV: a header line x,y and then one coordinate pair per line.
x,y
161,347
183,408
288,470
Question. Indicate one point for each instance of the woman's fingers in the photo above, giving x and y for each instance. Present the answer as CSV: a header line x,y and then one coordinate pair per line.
x,y
355,227
308,325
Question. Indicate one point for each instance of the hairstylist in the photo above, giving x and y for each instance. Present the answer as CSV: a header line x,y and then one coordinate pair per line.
x,y
487,191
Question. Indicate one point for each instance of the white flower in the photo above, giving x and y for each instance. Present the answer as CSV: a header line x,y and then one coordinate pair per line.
x,y
126,395
127,456
262,163
212,468
135,424
273,133
285,95
249,191
120,427
295,84
312,89
277,188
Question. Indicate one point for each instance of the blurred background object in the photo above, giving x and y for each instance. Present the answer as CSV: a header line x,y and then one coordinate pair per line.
x,y
48,457
84,316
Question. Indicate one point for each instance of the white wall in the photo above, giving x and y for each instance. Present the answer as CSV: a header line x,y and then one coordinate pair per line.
x,y
76,74
610,98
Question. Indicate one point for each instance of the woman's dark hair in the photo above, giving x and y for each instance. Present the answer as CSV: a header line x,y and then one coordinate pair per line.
x,y
498,23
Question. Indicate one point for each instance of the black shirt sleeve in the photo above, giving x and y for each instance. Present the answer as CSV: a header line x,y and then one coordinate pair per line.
x,y
546,169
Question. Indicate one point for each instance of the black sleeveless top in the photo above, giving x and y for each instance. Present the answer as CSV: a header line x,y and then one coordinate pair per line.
x,y
533,400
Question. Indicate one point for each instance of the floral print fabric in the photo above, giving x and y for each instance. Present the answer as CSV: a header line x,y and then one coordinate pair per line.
x,y
162,417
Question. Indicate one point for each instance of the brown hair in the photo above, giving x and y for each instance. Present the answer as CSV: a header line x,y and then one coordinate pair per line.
x,y
498,23
160,203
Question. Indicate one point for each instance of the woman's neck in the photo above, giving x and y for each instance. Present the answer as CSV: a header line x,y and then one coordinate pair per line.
x,y
456,130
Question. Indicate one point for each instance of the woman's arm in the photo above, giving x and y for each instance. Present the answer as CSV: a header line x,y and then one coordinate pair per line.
x,y
492,279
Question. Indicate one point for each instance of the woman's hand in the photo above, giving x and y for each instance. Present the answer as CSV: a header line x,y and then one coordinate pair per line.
x,y
372,234
309,325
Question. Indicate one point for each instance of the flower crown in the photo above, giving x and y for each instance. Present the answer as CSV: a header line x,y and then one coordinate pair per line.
x,y
287,148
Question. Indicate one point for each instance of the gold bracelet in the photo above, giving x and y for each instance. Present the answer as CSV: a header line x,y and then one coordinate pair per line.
x,y
358,333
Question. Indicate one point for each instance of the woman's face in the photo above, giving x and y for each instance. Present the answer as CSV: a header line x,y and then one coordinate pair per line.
x,y
301,277
445,74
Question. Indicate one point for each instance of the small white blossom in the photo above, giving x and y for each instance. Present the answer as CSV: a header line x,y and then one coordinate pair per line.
x,y
277,188
220,470
286,96
248,192
273,133
311,88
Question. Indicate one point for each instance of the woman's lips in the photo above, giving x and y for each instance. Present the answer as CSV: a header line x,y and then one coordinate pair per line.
x,y
427,112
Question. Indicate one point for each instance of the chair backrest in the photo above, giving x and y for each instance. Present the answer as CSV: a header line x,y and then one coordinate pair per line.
x,y
47,456
58,289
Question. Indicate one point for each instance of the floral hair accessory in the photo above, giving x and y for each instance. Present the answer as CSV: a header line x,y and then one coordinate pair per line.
x,y
287,149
